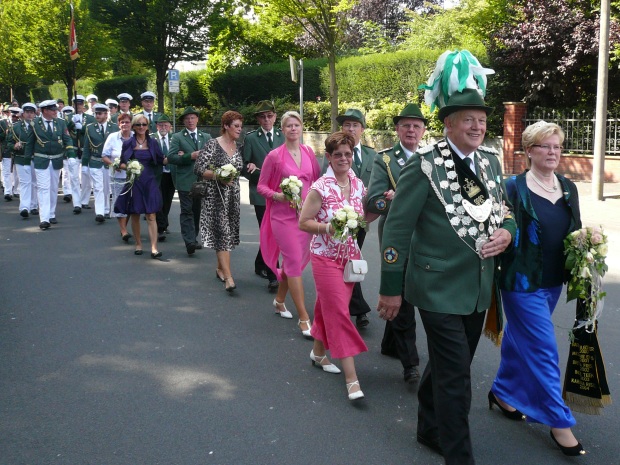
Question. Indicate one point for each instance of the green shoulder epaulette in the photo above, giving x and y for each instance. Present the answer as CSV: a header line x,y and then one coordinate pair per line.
x,y
251,132
488,149
426,149
368,147
385,150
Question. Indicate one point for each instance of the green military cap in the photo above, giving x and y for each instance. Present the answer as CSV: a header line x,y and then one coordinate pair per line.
x,y
352,114
163,118
189,111
468,98
264,106
411,110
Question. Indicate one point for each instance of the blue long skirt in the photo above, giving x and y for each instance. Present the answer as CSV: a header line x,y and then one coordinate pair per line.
x,y
528,378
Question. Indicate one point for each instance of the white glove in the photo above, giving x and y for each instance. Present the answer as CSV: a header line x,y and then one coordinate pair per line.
x,y
77,119
78,126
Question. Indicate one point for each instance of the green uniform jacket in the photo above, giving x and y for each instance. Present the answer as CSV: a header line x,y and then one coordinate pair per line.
x,y
160,169
155,117
255,149
183,175
19,133
380,182
46,147
368,159
114,117
94,140
444,274
4,132
78,134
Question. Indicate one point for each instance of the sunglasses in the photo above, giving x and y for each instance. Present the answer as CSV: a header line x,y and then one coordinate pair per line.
x,y
141,124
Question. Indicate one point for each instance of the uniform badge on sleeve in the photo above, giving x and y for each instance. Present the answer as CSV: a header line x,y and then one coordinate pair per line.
x,y
380,204
390,255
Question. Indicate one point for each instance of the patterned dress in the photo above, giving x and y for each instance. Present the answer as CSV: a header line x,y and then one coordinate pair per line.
x,y
220,209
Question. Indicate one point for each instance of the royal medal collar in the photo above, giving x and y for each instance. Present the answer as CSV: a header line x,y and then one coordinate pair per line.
x,y
479,216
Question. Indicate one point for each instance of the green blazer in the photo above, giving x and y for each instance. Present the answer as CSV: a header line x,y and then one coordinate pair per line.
x,y
368,159
382,180
46,147
78,134
153,125
94,140
255,149
444,273
160,169
183,176
4,131
18,133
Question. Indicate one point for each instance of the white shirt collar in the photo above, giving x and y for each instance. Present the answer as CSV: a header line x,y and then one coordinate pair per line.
x,y
408,152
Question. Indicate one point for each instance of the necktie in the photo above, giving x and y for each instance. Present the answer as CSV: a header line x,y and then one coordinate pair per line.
x,y
101,128
50,130
193,134
356,157
269,139
164,146
150,119
470,163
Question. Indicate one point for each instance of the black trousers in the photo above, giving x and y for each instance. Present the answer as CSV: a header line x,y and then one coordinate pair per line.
x,y
190,217
399,335
166,186
444,394
259,263
357,304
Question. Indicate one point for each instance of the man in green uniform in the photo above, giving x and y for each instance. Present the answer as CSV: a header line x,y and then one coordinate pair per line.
x,y
354,123
113,106
95,136
48,142
166,182
447,218
185,147
7,162
148,103
16,144
256,146
399,336
77,124
124,104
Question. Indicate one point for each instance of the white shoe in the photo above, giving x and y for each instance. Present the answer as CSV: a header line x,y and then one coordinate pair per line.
x,y
285,313
330,368
305,332
357,394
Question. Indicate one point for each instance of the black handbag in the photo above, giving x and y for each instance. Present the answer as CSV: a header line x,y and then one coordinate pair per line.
x,y
198,190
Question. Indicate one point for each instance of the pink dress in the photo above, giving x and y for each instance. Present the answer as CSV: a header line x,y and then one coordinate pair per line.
x,y
281,233
332,323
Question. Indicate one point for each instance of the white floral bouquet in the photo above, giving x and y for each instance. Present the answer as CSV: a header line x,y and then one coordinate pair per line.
x,y
585,251
226,173
291,188
347,222
116,164
134,170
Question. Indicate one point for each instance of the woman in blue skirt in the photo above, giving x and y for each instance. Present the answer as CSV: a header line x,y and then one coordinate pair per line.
x,y
546,209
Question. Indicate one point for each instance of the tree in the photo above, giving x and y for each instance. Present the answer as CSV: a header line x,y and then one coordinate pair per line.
x,y
548,52
159,33
325,24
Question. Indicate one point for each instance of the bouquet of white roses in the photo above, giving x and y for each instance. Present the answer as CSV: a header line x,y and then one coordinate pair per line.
x,y
116,164
226,173
291,188
585,251
347,222
134,170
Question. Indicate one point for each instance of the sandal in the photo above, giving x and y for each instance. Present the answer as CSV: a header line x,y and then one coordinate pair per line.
x,y
230,288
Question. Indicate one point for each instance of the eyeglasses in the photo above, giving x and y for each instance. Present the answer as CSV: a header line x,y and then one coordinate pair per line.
x,y
266,115
409,126
342,155
141,124
555,148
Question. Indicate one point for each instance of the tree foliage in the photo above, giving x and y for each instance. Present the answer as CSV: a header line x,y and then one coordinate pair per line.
x,y
159,33
548,52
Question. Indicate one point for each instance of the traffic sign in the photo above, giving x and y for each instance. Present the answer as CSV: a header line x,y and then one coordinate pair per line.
x,y
173,80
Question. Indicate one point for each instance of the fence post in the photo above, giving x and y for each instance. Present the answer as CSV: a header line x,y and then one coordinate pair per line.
x,y
514,113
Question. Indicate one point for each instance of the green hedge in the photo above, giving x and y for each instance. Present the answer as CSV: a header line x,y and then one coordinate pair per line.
x,y
252,84
38,94
133,85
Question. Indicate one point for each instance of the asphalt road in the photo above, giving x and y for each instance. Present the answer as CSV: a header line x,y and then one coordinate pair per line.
x,y
109,358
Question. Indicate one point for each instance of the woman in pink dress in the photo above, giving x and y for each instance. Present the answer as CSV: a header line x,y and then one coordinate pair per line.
x,y
333,329
281,234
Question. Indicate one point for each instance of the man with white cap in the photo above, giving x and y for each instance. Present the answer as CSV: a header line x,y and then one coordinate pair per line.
x,y
76,122
92,100
17,138
113,107
7,162
148,103
95,136
124,104
48,142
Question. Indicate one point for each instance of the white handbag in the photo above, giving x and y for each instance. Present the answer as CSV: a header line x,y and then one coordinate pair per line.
x,y
355,271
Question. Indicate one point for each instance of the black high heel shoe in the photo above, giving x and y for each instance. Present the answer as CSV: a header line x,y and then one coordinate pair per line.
x,y
516,415
156,254
572,451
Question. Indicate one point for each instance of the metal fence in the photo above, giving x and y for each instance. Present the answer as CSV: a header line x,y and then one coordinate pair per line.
x,y
578,128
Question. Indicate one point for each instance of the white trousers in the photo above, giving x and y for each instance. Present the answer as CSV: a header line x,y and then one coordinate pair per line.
x,y
96,176
73,168
47,192
86,186
34,199
7,176
25,173
66,178
106,191
15,181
